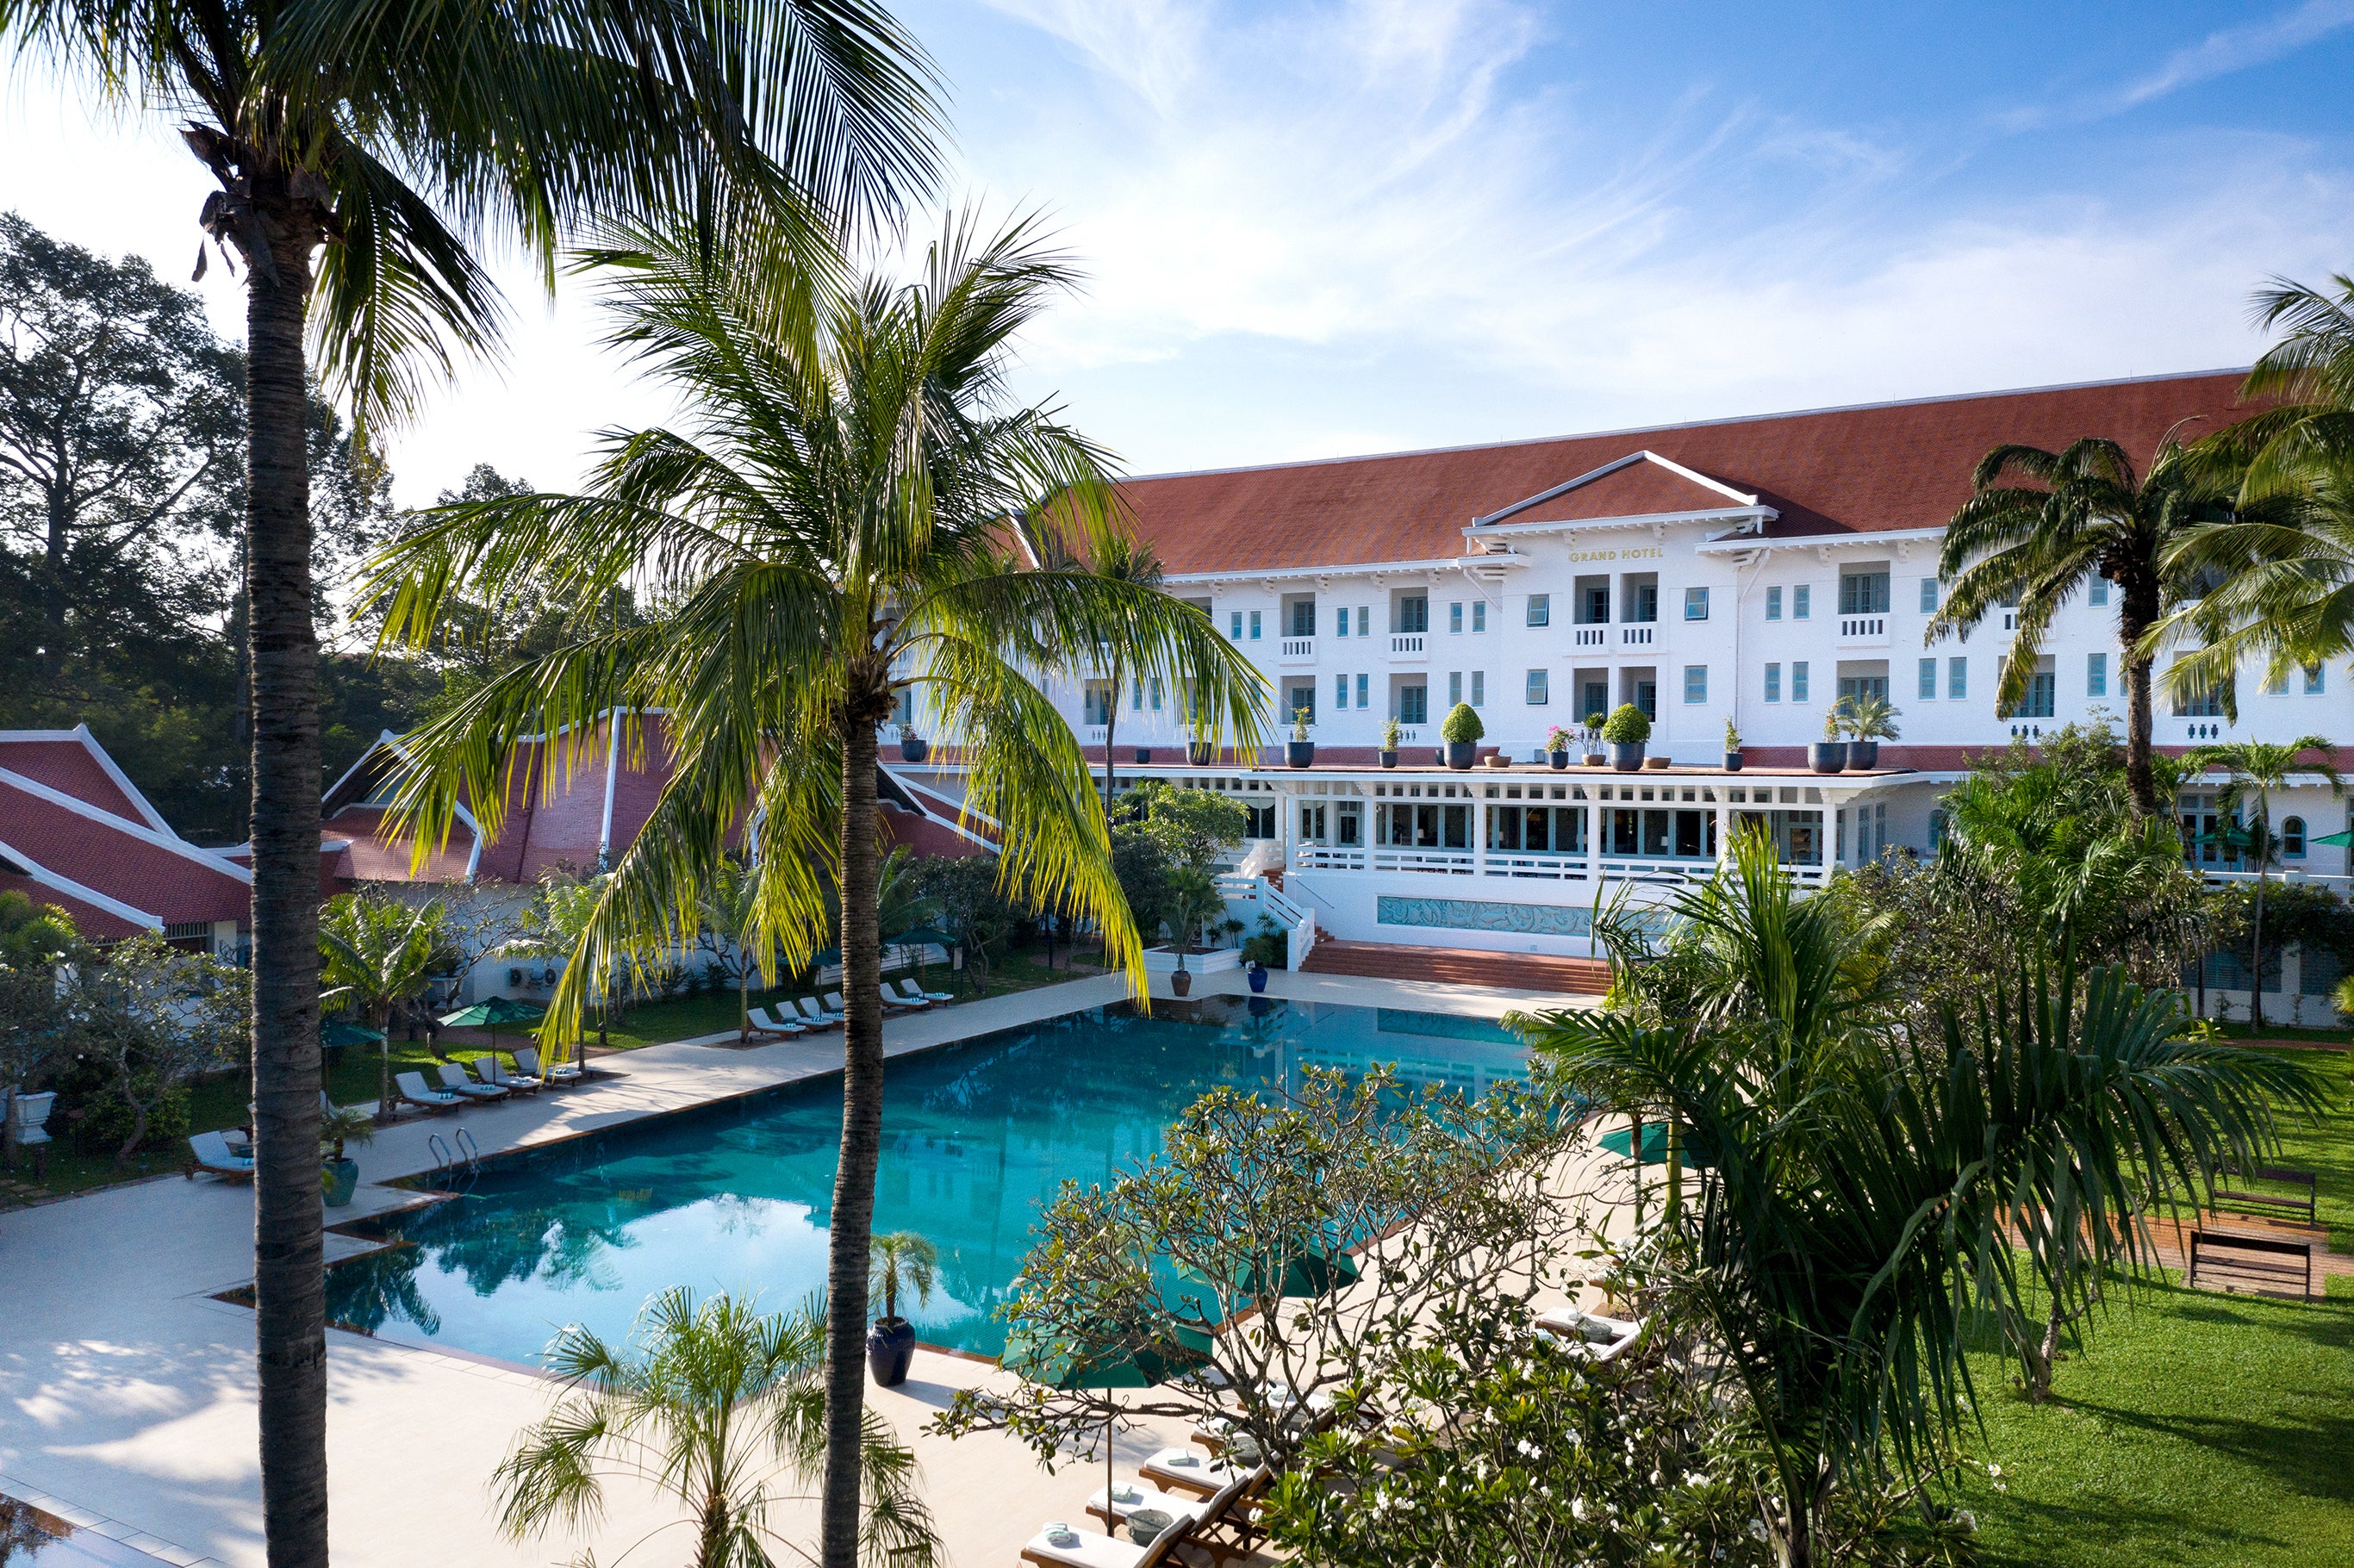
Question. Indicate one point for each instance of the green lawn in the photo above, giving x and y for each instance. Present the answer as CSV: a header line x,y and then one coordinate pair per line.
x,y
2200,1429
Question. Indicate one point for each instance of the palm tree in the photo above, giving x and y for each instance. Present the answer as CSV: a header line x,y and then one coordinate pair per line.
x,y
904,1260
1118,557
1864,1195
829,531
2042,525
713,1403
2252,770
360,152
374,956
729,912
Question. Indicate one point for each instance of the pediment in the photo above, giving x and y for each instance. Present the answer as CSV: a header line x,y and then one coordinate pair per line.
x,y
1640,485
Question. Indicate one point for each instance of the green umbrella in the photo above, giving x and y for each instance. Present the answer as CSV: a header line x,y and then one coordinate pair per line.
x,y
1309,1268
2340,841
337,1034
492,1013
921,937
1155,1351
1655,1146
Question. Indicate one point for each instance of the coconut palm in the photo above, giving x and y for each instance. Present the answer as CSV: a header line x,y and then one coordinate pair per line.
x,y
1864,1195
715,1404
1121,558
361,155
376,956
2044,525
828,531
904,1260
2252,770
729,912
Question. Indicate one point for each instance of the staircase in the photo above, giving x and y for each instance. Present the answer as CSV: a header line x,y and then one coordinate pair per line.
x,y
1459,966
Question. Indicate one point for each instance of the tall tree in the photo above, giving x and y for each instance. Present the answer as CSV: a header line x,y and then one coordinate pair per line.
x,y
360,152
829,531
1119,556
2043,526
379,955
2254,771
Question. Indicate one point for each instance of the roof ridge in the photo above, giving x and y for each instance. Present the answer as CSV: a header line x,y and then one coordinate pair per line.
x,y
1632,431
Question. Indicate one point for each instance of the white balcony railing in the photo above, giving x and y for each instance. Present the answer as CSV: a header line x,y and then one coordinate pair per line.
x,y
1863,629
1407,642
1450,862
1592,636
1096,734
1636,636
1299,650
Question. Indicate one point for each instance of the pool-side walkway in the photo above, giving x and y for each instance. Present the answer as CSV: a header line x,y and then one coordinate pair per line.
x,y
126,1389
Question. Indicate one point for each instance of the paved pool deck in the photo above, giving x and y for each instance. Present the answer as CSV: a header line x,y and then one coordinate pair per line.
x,y
127,1387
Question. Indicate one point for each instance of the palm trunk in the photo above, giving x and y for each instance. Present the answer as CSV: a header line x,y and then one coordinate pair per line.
x,y
851,1227
289,1268
2135,615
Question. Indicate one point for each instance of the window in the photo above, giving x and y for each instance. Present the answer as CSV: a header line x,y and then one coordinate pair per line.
x,y
1863,593
1454,687
1364,619
1695,682
1928,595
1101,698
1539,684
1647,603
1340,621
1799,599
1540,609
2096,674
1156,693
1478,615
2292,838
2208,703
2276,682
1646,697
1597,606
1413,613
1340,691
1695,604
1598,700
1957,678
2313,680
1235,630
1799,681
1414,705
1852,688
2041,692
1254,615
1773,683
1455,618
1299,701
1136,695
2098,594
1478,688
1303,617
1773,604
1927,689
1365,684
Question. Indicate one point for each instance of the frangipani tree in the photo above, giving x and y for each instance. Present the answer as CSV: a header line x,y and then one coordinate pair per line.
x,y
828,528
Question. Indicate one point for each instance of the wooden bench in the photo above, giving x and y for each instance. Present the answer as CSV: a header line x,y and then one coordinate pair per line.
x,y
2242,1201
2252,1262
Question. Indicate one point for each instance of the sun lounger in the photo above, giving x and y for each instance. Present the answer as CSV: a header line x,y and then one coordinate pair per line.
x,y
762,1023
1188,1471
457,1081
1130,1495
414,1092
527,1062
512,1082
908,995
816,1017
894,1002
912,989
835,1005
1093,1549
1588,1334
211,1153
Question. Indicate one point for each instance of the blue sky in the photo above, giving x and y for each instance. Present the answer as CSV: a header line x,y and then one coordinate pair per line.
x,y
1317,229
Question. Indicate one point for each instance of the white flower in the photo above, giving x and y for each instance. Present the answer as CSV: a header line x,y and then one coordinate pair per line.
x,y
1577,1508
1995,1471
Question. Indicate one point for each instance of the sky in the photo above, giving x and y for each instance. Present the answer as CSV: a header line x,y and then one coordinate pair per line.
x,y
1314,229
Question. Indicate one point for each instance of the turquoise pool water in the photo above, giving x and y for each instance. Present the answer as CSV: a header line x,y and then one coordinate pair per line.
x,y
976,1137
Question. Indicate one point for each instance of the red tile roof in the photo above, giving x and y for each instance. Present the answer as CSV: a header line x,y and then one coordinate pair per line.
x,y
138,867
73,763
92,922
1838,471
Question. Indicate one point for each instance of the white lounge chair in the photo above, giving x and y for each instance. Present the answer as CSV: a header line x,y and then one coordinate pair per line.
x,y
762,1023
414,1092
835,1005
1589,1335
905,996
512,1082
1130,1495
1190,1471
212,1155
527,1062
1093,1549
912,989
457,1081
816,1017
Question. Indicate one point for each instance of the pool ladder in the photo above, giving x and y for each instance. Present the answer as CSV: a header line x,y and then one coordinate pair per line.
x,y
466,1157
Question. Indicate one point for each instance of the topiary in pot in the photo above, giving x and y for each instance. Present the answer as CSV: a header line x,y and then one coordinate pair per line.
x,y
1625,732
1392,732
1461,729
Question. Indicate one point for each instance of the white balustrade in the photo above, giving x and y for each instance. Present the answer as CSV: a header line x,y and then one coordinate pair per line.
x,y
1406,642
1299,650
1635,636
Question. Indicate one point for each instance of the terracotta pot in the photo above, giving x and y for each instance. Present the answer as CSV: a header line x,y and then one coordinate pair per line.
x,y
1594,759
1181,982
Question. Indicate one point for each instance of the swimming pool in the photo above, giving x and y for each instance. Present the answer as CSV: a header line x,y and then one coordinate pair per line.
x,y
976,1137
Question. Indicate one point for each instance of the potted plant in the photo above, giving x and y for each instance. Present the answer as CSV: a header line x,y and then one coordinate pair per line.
x,y
1258,978
1199,753
1302,751
339,1177
1591,736
1557,746
913,746
1192,899
1732,748
1870,719
1390,736
900,1261
1828,755
1461,730
1626,731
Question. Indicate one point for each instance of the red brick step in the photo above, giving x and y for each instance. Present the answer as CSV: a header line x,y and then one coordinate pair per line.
x,y
1461,966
